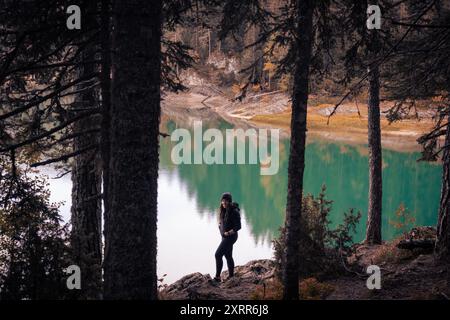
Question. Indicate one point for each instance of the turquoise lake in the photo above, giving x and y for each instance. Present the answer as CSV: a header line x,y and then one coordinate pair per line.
x,y
188,198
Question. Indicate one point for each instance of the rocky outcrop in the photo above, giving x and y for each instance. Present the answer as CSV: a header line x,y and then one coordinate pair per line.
x,y
197,286
419,238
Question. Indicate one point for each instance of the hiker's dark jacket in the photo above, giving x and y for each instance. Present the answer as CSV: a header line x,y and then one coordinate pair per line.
x,y
231,219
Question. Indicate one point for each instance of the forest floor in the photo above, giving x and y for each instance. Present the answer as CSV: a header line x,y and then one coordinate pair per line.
x,y
272,110
405,274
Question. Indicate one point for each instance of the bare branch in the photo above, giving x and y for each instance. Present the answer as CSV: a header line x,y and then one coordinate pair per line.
x,y
44,98
51,131
74,135
60,175
64,157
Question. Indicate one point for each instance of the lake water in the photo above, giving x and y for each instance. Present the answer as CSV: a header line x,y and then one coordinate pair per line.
x,y
189,196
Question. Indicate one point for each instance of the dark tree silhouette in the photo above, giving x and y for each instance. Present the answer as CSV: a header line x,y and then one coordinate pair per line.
x,y
419,72
374,210
130,239
304,34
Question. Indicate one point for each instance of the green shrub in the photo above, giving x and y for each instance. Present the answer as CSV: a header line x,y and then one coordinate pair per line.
x,y
321,249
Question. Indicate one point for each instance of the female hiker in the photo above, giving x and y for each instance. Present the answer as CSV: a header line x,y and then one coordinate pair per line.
x,y
229,224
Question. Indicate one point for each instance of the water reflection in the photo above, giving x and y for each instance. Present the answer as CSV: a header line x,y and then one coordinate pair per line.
x,y
344,170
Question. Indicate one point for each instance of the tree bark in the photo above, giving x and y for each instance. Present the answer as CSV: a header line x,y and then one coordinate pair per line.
x,y
130,253
105,88
442,248
86,207
373,231
297,148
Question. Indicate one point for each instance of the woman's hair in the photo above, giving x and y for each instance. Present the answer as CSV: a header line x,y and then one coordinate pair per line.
x,y
222,210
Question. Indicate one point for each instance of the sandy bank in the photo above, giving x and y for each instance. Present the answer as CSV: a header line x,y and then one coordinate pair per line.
x,y
272,110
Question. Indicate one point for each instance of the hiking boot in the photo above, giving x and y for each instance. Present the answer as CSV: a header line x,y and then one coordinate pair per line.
x,y
215,281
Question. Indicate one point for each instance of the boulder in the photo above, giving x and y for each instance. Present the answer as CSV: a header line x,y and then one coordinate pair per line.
x,y
197,286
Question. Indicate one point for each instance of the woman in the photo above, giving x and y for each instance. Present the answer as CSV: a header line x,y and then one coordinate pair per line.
x,y
229,224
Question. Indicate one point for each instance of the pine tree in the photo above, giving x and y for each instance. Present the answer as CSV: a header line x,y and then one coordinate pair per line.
x,y
304,34
419,72
364,50
130,238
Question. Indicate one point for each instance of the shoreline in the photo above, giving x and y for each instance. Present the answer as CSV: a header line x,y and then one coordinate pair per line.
x,y
348,125
406,274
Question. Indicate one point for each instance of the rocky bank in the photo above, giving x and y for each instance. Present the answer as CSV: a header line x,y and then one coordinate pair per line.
x,y
405,274
197,286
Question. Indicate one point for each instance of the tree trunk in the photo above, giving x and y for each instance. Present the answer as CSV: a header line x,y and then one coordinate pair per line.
x,y
443,231
86,208
105,84
297,149
130,255
373,232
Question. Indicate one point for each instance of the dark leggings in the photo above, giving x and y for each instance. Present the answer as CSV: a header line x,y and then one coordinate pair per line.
x,y
225,249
